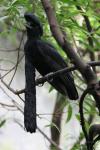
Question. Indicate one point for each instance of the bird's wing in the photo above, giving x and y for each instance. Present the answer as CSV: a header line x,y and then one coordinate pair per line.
x,y
56,62
49,50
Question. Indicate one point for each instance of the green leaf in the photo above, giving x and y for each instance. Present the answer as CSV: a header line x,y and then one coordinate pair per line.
x,y
51,88
3,18
77,117
14,2
53,125
2,123
69,113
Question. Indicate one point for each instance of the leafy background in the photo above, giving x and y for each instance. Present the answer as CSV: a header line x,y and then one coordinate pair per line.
x,y
71,22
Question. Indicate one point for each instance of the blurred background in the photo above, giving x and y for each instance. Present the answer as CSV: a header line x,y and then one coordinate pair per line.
x,y
12,39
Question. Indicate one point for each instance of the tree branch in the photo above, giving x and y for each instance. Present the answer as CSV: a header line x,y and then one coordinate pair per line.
x,y
89,29
48,77
93,132
86,71
82,115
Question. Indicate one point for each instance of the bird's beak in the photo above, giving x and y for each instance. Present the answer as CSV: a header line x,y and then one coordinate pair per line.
x,y
27,24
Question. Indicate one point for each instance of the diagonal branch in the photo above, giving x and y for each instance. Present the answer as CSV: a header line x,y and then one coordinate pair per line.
x,y
48,77
86,71
89,29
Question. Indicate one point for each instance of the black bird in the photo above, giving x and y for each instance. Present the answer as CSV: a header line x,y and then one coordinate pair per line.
x,y
46,59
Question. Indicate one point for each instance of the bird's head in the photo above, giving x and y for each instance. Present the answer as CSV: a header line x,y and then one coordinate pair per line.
x,y
33,25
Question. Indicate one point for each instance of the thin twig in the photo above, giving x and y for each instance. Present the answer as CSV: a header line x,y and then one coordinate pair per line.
x,y
17,59
13,101
49,76
52,142
56,73
89,29
11,68
8,50
6,105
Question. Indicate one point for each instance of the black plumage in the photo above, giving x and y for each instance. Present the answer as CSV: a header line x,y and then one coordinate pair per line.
x,y
46,59
30,98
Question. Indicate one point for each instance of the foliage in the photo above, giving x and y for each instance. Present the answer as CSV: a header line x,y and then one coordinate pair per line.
x,y
2,123
71,22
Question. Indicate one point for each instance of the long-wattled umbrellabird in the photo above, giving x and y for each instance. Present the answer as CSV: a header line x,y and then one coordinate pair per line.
x,y
46,59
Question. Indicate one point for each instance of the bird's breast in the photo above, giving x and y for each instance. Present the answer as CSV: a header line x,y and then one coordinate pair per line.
x,y
34,54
